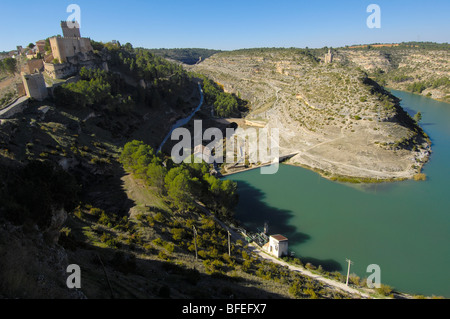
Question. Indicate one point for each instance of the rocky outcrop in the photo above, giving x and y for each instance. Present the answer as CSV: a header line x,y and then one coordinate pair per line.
x,y
52,232
402,68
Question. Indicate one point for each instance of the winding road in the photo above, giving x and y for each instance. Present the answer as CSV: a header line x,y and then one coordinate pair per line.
x,y
184,121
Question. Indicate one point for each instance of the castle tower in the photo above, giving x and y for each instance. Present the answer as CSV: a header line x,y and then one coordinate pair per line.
x,y
34,85
70,30
329,57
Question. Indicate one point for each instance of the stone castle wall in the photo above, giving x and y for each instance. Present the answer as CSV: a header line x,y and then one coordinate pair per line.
x,y
35,86
62,48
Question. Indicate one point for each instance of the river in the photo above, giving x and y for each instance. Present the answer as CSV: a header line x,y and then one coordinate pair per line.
x,y
404,227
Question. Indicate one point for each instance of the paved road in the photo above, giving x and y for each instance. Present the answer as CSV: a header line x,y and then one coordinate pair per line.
x,y
183,121
13,105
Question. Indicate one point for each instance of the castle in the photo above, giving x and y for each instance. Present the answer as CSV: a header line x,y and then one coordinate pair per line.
x,y
68,55
329,57
71,44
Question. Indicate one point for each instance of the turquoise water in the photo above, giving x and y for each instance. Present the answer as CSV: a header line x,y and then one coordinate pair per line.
x,y
403,227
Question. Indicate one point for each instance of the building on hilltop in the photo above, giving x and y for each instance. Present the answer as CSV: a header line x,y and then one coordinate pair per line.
x,y
71,44
69,53
40,46
329,57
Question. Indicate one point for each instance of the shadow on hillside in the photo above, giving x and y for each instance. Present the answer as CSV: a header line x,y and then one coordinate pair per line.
x,y
254,212
109,273
106,191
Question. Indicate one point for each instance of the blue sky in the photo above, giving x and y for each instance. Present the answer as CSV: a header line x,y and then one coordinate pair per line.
x,y
230,24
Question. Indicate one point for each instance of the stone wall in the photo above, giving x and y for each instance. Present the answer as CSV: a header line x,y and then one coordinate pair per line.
x,y
60,71
35,86
34,65
62,48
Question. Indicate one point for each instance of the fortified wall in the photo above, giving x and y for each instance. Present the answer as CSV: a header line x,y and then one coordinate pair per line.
x,y
71,51
35,86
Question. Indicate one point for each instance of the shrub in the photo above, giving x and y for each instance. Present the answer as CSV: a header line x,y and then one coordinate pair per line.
x,y
310,266
178,234
159,217
97,212
384,290
104,219
158,242
296,289
162,255
169,247
420,177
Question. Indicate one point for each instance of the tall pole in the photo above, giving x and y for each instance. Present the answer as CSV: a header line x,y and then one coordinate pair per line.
x,y
348,272
195,242
229,244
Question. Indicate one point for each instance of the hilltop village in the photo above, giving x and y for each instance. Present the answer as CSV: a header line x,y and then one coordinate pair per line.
x,y
56,58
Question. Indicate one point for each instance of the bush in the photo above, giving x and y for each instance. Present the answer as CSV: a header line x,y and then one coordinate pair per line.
x,y
159,217
97,212
178,234
158,242
384,290
169,247
296,289
104,219
310,266
420,177
109,240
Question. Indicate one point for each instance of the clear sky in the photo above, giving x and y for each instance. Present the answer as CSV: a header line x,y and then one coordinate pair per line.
x,y
228,24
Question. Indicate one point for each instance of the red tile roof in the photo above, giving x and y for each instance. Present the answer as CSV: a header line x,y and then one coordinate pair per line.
x,y
279,237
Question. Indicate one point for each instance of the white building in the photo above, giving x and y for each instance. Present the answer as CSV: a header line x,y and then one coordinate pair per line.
x,y
277,246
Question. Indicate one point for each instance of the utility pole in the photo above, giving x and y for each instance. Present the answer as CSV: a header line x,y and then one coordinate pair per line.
x,y
195,242
229,244
348,272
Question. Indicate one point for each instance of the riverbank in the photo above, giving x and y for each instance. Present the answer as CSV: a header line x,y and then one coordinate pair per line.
x,y
348,179
334,177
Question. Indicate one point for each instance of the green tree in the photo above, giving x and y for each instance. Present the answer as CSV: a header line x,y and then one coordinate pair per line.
x,y
180,185
9,65
418,117
156,174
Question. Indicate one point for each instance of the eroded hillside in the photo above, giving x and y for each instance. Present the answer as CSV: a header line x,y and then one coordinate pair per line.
x,y
338,120
422,69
